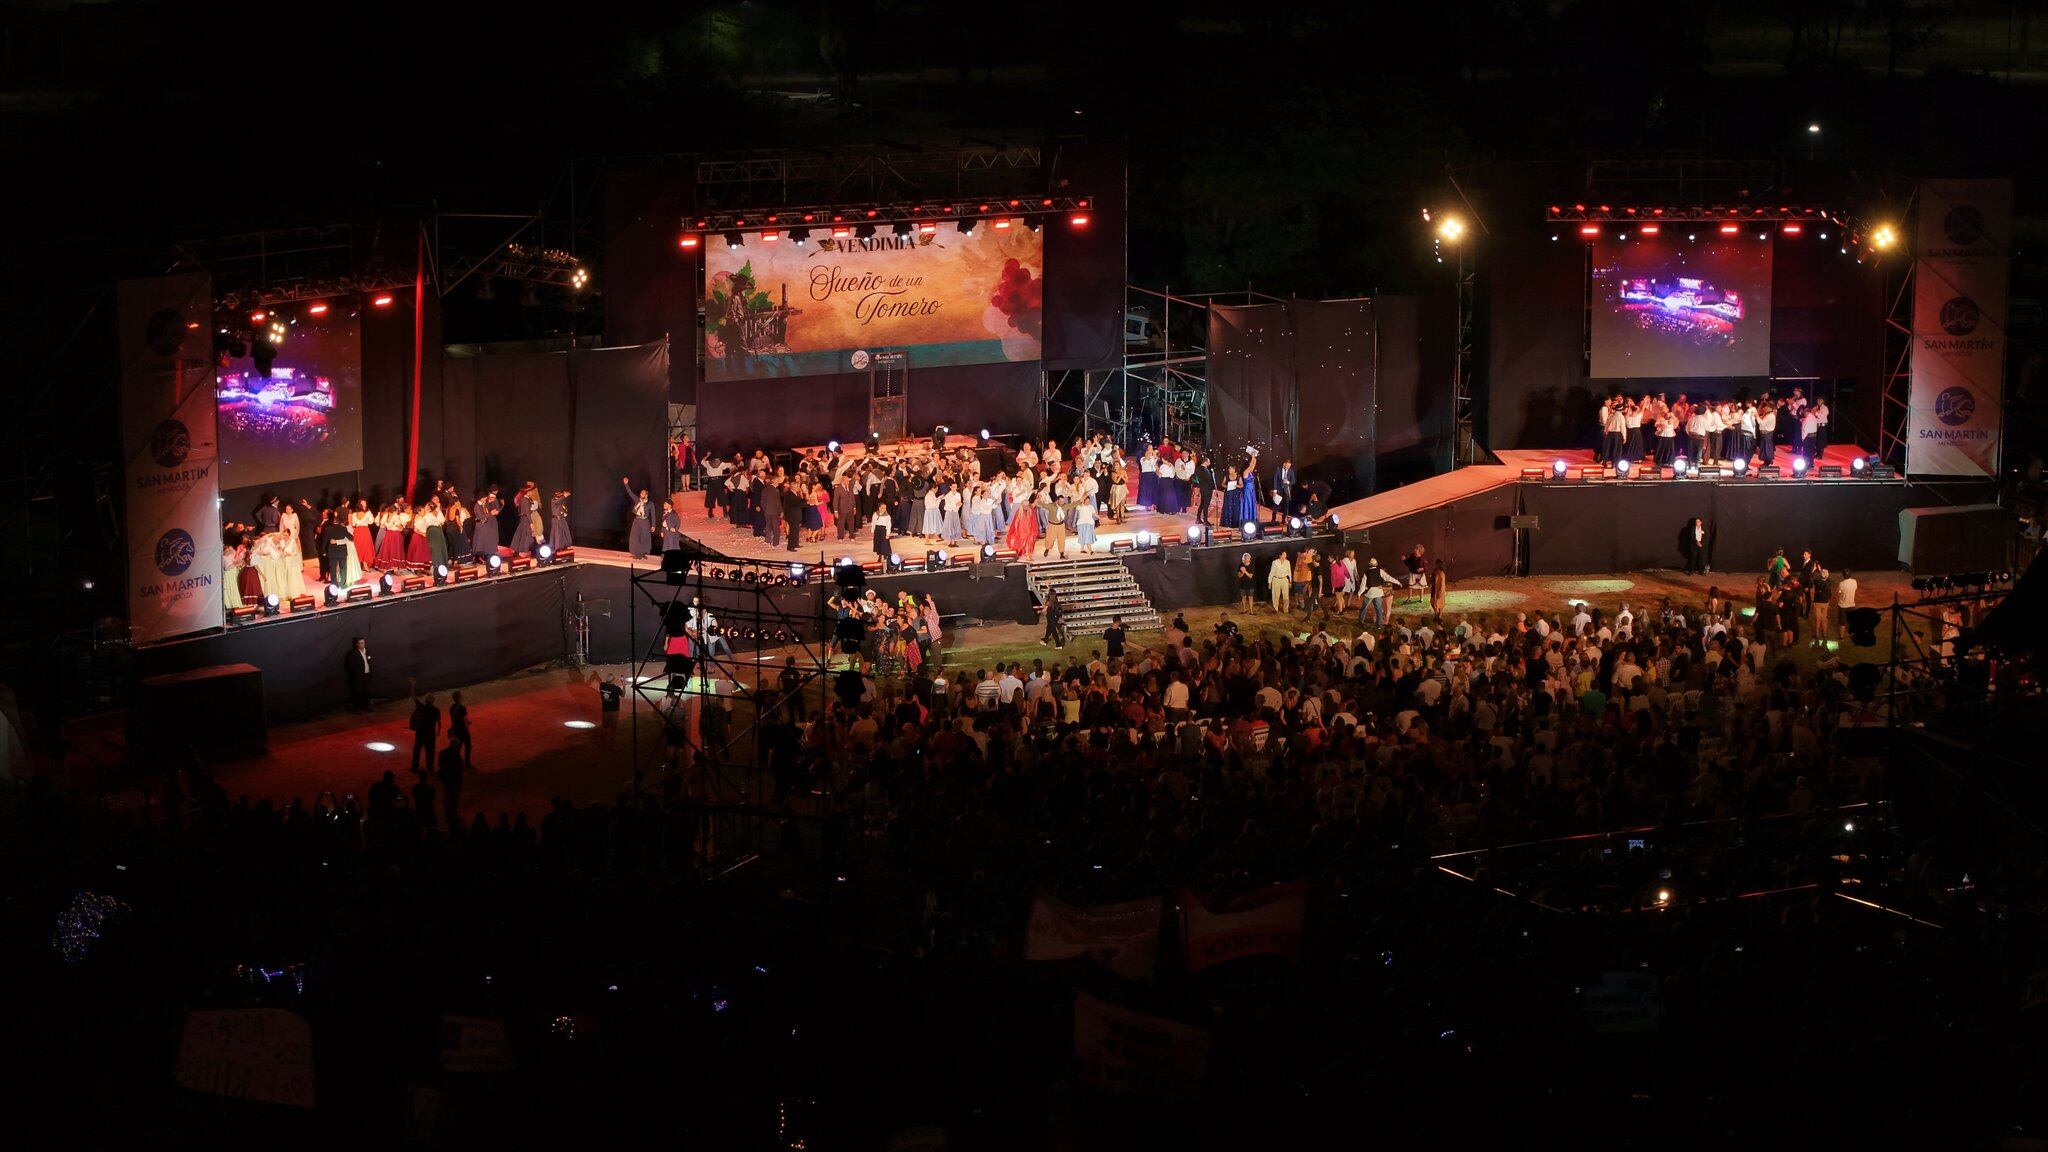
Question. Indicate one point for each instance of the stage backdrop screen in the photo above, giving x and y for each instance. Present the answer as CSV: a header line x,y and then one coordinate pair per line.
x,y
779,308
303,417
1668,306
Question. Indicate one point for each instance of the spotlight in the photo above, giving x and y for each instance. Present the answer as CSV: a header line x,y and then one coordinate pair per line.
x,y
966,227
734,240
335,594
1078,220
1451,229
496,563
1740,465
1692,470
381,300
831,445
270,604
1857,464
1663,895
1142,539
864,232
988,551
440,575
542,553
900,228
927,228
895,561
1813,129
935,559
692,240
1799,465
770,237
984,435
387,584
797,572
1621,468
1333,521
1294,524
1194,534
1250,530
799,236
1884,237
1558,468
319,309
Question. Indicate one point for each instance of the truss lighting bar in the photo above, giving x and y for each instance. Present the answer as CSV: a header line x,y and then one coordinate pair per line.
x,y
849,216
1740,213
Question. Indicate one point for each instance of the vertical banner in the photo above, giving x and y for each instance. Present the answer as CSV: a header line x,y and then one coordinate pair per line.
x,y
168,439
1961,241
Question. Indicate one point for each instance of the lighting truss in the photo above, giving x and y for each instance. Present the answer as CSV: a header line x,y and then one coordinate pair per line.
x,y
817,216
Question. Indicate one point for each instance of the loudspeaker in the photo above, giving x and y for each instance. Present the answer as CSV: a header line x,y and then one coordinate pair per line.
x,y
1172,552
989,570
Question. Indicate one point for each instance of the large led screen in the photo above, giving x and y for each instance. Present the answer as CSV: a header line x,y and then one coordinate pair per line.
x,y
298,414
786,308
1668,306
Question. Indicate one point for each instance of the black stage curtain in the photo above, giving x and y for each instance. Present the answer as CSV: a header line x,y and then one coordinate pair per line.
x,y
525,422
1413,434
1537,395
1085,274
445,638
1336,426
1619,528
652,286
1251,379
620,431
797,410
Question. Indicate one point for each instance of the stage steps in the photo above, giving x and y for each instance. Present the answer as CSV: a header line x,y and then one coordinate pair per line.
x,y
1093,591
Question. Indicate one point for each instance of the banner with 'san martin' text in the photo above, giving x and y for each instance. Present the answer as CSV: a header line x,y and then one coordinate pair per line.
x,y
1962,242
169,440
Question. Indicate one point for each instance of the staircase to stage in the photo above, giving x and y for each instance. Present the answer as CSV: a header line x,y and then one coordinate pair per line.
x,y
1092,592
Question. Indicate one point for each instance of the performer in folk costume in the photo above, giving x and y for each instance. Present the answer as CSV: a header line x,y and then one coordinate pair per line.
x,y
640,528
672,524
489,506
558,522
456,526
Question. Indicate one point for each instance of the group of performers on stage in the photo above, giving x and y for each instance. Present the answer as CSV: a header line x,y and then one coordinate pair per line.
x,y
1707,431
350,540
1039,503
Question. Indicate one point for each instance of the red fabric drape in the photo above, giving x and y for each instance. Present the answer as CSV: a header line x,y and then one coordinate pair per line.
x,y
419,340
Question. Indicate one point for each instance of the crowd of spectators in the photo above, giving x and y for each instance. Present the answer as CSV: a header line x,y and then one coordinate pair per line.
x,y
1494,812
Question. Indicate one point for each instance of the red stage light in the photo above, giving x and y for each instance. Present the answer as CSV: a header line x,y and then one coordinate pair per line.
x,y
1578,207
318,310
1730,229
1793,229
808,217
259,317
871,213
771,219
1078,219
1080,203
1650,229
841,233
1589,230
1554,209
927,227
382,301
1045,203
770,237
690,240
1656,211
1605,208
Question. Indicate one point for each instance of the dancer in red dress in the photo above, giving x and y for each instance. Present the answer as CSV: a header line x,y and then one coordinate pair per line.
x,y
360,521
1023,534
418,554
391,545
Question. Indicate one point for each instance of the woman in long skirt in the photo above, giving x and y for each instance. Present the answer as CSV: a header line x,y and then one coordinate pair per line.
x,y
391,545
949,515
558,522
360,523
980,522
1084,524
672,525
934,520
1148,479
523,510
489,506
1023,534
639,531
437,534
232,560
456,530
418,552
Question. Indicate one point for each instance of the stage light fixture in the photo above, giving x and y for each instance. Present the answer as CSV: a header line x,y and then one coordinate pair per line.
x,y
1621,468
692,240
895,561
270,604
1799,465
495,563
1194,534
935,559
1650,229
1883,237
335,594
734,240
387,584
441,575
927,228
318,308
1078,220
542,553
984,435
864,232
770,237
1730,229
900,228
1558,468
1792,229
1250,530
1142,539
1295,526
1740,466
1450,229
1589,229
258,317
1857,464
988,551
1692,470
831,445
799,236
797,572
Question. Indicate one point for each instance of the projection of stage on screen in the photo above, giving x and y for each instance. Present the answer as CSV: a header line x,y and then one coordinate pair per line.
x,y
297,411
1669,306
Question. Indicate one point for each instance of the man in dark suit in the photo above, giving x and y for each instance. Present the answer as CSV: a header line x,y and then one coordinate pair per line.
x,y
769,524
845,509
1205,487
334,545
356,666
1693,545
268,513
1282,492
793,514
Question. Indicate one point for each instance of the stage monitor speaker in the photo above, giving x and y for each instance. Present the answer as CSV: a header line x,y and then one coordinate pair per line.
x,y
989,570
219,706
1172,552
1525,523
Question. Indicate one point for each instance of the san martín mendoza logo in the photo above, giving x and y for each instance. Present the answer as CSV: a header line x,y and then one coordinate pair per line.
x,y
1959,316
1963,225
175,552
170,444
1955,406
